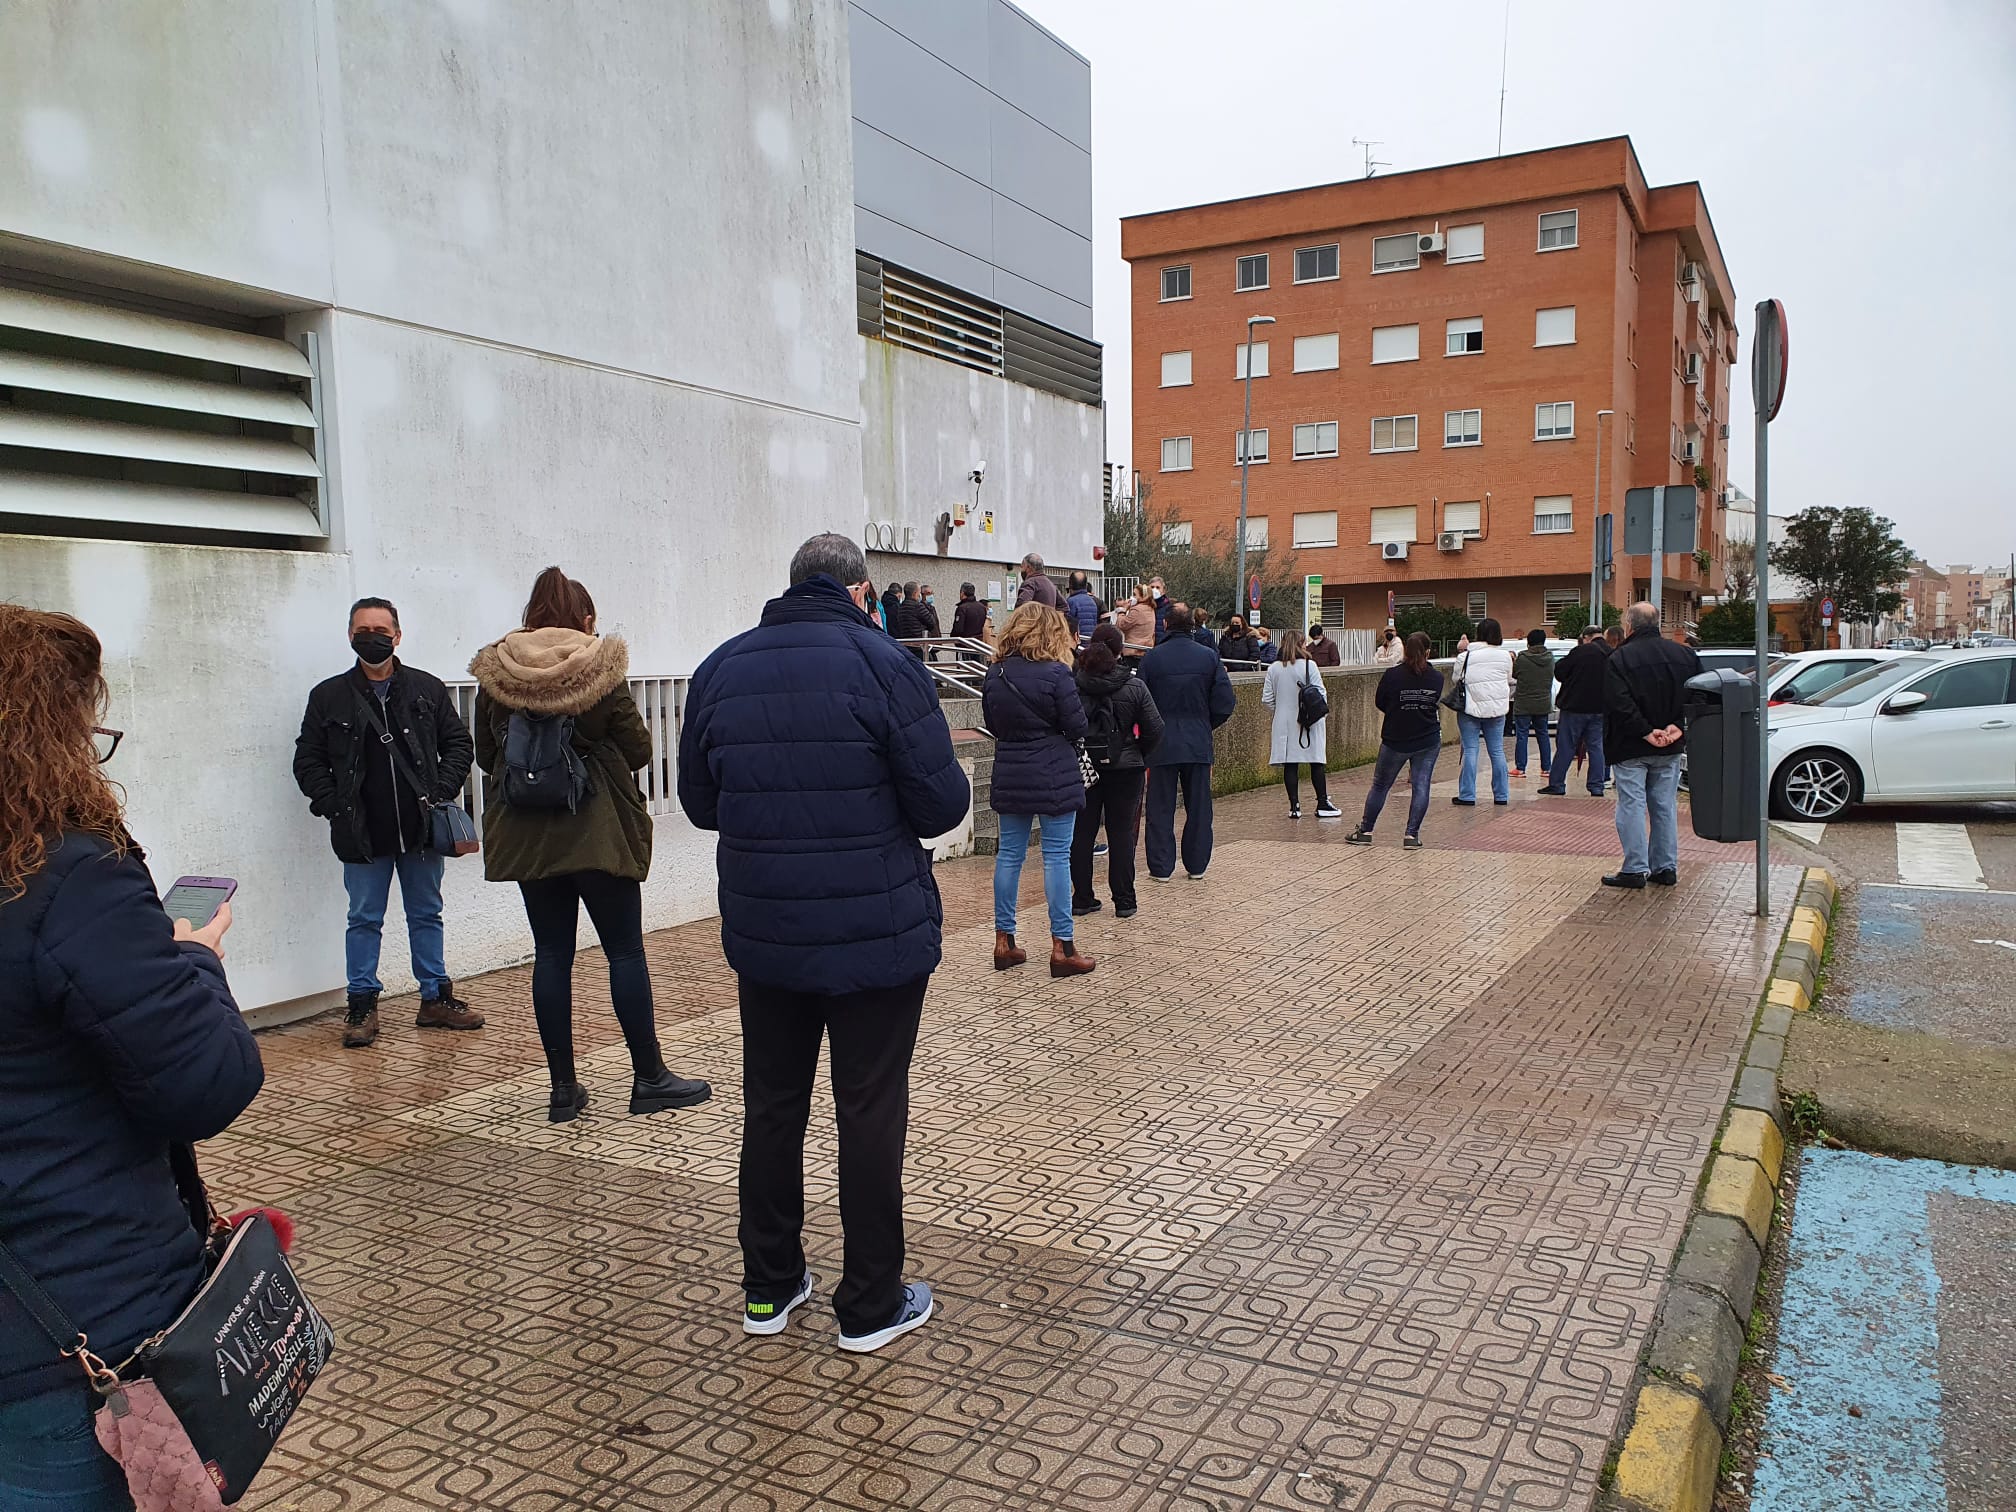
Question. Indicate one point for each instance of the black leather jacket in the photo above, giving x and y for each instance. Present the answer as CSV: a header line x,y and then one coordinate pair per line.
x,y
371,810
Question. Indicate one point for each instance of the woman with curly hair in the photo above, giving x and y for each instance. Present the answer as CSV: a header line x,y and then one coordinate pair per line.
x,y
119,1044
1031,704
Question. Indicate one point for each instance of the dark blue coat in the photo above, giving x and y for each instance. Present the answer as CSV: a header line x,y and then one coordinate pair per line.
x,y
1191,689
815,745
115,1042
1036,722
1083,610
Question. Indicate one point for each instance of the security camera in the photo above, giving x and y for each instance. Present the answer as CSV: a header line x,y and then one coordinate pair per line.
x,y
979,471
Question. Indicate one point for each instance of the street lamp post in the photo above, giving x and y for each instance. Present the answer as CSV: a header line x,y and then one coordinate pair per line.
x,y
1246,456
1596,530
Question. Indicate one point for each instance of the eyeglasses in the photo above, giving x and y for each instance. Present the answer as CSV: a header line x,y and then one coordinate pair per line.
x,y
105,742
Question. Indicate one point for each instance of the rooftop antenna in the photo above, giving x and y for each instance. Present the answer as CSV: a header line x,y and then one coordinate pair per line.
x,y
1372,165
1504,57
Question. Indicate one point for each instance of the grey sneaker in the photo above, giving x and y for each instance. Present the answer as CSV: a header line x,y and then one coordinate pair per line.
x,y
1412,842
1359,837
914,1313
770,1317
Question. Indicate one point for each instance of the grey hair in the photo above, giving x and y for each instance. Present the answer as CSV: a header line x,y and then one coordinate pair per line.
x,y
1033,560
833,556
1640,617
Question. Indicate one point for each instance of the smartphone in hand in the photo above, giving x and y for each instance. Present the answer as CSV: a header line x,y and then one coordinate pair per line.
x,y
197,899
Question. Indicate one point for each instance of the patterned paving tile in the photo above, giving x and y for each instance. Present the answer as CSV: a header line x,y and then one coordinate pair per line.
x,y
1348,1180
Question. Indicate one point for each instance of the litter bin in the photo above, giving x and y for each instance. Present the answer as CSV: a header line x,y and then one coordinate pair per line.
x,y
1722,755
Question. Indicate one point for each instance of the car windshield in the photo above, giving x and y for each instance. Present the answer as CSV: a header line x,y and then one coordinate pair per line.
x,y
1870,682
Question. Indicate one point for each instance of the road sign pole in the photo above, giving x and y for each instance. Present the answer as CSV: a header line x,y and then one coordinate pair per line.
x,y
1770,356
1659,556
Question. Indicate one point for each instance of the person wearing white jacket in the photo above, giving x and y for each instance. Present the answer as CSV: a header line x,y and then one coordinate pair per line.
x,y
1483,673
1292,745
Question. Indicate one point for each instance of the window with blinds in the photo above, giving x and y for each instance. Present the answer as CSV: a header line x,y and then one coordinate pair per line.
x,y
1555,327
1467,518
1316,528
162,423
1463,428
1464,336
1249,445
1554,600
1476,605
1316,439
1176,538
1259,349
1466,244
1552,515
1557,230
1175,369
1394,523
1396,343
1391,433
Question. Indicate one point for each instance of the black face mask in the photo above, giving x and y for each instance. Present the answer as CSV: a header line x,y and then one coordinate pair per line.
x,y
373,647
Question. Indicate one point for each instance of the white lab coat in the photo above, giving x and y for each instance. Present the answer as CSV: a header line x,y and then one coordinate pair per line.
x,y
1280,694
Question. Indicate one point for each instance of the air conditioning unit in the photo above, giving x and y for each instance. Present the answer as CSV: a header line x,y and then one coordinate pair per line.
x,y
1433,241
1449,540
1691,372
1690,273
1393,551
1723,428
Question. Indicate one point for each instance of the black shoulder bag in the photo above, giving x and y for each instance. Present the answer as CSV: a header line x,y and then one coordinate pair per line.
x,y
450,830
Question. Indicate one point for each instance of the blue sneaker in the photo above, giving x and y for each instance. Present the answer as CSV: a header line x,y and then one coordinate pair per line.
x,y
770,1317
914,1312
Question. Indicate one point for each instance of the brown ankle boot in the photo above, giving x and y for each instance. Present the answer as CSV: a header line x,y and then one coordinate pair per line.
x,y
1006,953
1065,960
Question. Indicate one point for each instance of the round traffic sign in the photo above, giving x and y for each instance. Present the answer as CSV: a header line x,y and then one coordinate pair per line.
x,y
1253,591
1827,608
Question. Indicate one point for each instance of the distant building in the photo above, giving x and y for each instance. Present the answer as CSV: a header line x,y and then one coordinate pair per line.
x,y
1426,404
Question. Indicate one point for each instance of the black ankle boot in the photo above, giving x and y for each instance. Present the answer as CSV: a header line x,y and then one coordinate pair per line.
x,y
566,1103
655,1094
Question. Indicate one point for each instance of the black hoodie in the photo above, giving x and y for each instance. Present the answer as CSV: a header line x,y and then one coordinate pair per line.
x,y
1133,710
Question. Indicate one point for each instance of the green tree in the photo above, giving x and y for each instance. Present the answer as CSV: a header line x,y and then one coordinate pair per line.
x,y
1442,625
1730,623
1851,555
1574,619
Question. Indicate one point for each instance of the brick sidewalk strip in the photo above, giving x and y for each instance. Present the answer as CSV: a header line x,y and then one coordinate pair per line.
x,y
1350,1179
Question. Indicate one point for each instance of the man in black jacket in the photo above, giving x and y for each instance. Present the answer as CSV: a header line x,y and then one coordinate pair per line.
x,y
1194,696
1644,714
1580,705
369,736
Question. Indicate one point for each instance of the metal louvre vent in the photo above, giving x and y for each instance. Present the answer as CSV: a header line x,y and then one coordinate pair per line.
x,y
941,322
1046,358
867,294
109,414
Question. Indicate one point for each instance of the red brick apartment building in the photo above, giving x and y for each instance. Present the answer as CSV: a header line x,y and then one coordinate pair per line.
x,y
1443,343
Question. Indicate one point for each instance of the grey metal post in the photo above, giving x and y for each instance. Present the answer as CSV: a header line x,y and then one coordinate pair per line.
x,y
1762,568
1246,459
1659,555
1596,531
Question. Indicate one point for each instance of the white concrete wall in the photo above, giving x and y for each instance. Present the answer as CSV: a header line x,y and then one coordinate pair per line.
x,y
584,277
925,423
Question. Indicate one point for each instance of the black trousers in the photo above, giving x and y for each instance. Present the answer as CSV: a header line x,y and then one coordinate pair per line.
x,y
1195,780
616,909
871,1037
1318,779
1115,801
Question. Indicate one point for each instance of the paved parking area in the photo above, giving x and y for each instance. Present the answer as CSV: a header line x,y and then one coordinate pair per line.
x,y
1348,1180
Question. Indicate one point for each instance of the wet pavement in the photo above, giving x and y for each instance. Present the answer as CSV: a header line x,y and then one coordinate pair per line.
x,y
1939,962
1350,1179
1896,1335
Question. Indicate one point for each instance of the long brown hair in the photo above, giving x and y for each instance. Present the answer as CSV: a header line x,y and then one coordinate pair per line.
x,y
52,690
558,602
1294,646
1415,652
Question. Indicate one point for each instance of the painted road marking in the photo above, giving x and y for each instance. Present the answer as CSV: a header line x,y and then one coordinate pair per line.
x,y
1938,855
1859,1329
1800,830
2005,944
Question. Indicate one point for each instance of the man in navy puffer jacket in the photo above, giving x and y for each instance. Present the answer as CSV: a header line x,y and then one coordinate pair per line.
x,y
815,746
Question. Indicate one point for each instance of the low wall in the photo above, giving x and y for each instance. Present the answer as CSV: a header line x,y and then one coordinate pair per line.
x,y
1242,744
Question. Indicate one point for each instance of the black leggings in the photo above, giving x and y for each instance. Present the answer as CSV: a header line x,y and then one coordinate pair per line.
x,y
616,909
1318,779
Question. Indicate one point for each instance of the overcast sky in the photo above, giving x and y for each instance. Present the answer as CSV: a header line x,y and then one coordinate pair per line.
x,y
1859,161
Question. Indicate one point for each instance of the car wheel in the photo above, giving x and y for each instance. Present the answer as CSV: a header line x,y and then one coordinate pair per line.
x,y
1814,785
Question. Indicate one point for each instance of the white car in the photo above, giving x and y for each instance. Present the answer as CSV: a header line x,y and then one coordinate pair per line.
x,y
1804,675
1915,729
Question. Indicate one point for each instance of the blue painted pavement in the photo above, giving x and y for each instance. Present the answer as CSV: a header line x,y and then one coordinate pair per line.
x,y
1859,1327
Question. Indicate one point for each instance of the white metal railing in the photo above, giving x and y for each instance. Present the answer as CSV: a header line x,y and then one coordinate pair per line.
x,y
661,701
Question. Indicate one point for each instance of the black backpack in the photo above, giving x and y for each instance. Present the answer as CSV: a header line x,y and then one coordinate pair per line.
x,y
1104,739
1311,707
542,770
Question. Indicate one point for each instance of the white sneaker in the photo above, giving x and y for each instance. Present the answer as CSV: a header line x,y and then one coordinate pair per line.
x,y
770,1317
1196,876
914,1313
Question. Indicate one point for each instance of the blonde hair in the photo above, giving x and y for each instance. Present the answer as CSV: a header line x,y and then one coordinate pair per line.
x,y
1143,594
1293,645
1037,633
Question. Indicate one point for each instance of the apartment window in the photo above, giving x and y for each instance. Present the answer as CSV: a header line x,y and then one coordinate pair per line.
x,y
1175,369
1466,244
1318,528
1463,428
1462,337
1333,609
1391,433
1468,518
1393,524
1634,256
1252,272
1315,264
1256,532
1259,445
1316,439
1557,230
1552,515
1396,343
1175,454
1631,434
1391,253
1631,344
1259,360
1553,422
1176,283
1476,605
1676,442
1554,327
1554,600
1315,354
1413,601
1176,538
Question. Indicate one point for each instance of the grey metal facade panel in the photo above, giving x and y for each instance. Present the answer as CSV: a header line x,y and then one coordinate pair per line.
x,y
901,184
1041,251
1044,304
907,93
909,248
954,30
1031,69
1034,166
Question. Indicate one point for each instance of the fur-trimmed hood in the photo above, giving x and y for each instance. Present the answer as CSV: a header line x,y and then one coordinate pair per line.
x,y
556,671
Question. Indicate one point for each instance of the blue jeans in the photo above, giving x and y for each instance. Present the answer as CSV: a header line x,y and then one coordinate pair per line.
x,y
50,1460
1579,729
1057,831
1647,790
369,884
1386,772
1537,723
1492,733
